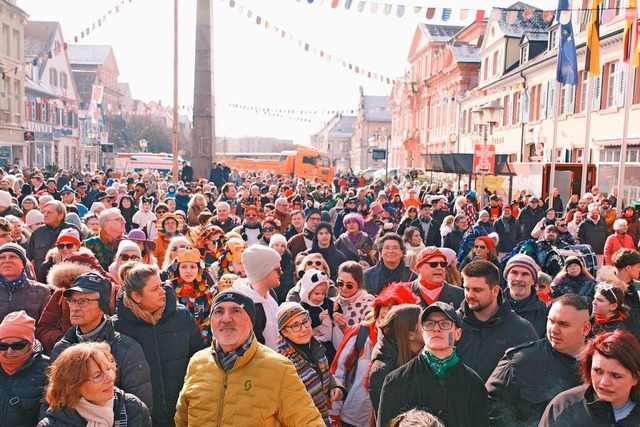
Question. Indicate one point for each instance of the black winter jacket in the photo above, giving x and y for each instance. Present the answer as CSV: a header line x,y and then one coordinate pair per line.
x,y
128,410
595,235
510,233
168,346
453,239
528,219
483,344
580,406
133,375
632,300
384,357
433,234
527,378
43,239
459,399
532,309
450,294
21,393
376,278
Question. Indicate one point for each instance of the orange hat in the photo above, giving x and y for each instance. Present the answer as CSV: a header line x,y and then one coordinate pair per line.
x,y
18,324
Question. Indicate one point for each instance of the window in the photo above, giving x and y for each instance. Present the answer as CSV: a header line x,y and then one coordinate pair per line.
x,y
63,80
16,100
309,160
53,77
564,93
505,111
515,118
485,69
534,110
6,39
524,54
16,44
582,91
553,39
494,68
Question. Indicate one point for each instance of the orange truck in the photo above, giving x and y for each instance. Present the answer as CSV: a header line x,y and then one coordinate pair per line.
x,y
305,162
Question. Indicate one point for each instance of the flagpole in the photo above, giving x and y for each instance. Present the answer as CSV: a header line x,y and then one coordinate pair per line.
x,y
628,100
586,152
554,143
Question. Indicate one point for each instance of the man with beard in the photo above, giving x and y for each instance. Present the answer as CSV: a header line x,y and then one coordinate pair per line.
x,y
303,241
489,325
521,274
237,365
529,376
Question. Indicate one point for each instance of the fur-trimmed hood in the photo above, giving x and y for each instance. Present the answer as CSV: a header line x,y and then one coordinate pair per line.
x,y
62,275
609,274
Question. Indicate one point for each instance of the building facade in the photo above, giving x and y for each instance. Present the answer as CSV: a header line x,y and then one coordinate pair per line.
x,y
335,139
372,131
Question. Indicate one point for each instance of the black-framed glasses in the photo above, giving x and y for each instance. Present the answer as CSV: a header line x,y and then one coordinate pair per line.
x,y
317,263
296,327
65,246
125,257
18,345
81,302
341,283
444,324
161,212
435,264
268,229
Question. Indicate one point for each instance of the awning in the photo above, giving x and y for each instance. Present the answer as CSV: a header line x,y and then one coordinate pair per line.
x,y
616,142
462,163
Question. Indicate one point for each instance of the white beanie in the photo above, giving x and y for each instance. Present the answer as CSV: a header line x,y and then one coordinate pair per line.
x,y
311,279
259,261
5,198
277,238
34,217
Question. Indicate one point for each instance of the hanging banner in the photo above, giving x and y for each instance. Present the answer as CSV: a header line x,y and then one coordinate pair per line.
x,y
484,159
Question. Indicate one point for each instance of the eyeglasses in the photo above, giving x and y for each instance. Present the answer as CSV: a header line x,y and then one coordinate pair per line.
x,y
161,211
279,270
317,263
347,285
479,247
268,229
444,324
81,302
561,225
314,218
175,248
126,257
69,246
18,345
116,219
296,327
435,264
98,377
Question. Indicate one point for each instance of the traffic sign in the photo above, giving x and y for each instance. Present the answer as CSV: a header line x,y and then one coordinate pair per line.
x,y
484,159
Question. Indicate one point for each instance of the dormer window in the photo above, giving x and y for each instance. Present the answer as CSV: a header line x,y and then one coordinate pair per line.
x,y
553,39
524,53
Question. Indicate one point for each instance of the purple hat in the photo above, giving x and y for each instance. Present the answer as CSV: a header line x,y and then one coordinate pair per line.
x,y
139,236
354,216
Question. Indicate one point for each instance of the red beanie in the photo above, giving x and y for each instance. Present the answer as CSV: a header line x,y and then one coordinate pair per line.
x,y
18,325
69,235
491,245
428,253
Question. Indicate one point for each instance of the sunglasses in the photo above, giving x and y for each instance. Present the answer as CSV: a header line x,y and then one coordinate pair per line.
x,y
268,229
65,245
317,263
479,247
251,216
435,264
126,257
161,212
18,345
175,248
347,285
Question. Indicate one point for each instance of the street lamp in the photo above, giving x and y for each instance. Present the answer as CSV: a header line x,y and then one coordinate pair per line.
x,y
93,136
143,145
486,116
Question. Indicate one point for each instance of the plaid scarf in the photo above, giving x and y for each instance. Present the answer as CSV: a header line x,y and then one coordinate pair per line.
x,y
316,378
228,360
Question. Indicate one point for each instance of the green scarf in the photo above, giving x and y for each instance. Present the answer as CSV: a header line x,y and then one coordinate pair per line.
x,y
440,366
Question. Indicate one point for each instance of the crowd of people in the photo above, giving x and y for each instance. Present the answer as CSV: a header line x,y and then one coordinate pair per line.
x,y
251,299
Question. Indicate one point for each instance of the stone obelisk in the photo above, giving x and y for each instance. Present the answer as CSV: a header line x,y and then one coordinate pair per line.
x,y
203,147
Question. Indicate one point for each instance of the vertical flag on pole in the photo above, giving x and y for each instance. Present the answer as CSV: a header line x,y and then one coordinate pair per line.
x,y
592,59
630,53
567,70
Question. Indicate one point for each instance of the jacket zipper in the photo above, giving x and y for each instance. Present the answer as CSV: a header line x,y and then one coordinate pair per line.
x,y
220,406
155,340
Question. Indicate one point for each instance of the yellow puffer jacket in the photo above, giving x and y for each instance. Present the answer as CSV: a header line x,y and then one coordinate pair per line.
x,y
262,389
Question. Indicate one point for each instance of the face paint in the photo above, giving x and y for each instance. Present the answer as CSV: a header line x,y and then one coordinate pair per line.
x,y
450,338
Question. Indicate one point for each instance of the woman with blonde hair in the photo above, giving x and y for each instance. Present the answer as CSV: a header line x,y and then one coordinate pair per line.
x,y
196,205
401,341
81,391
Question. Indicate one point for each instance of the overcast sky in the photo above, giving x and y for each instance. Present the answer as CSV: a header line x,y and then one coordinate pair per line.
x,y
254,66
